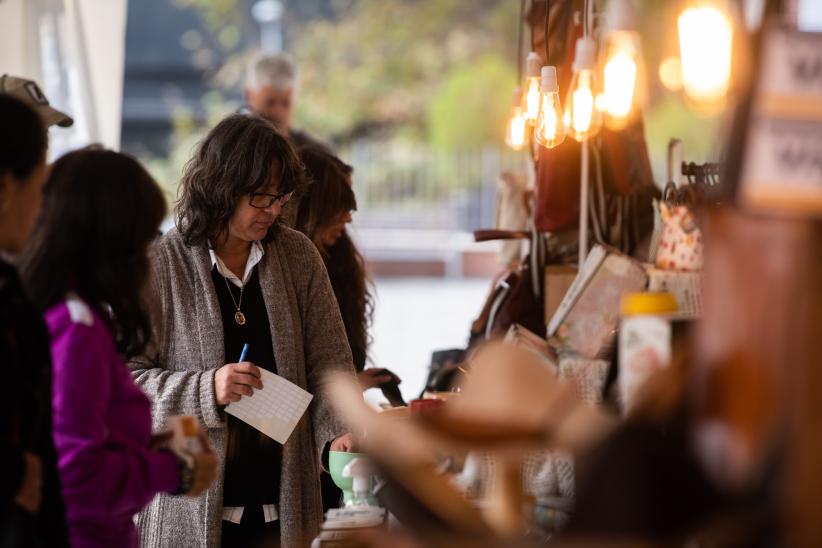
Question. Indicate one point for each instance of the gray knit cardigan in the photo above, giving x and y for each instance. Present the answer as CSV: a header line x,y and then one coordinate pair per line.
x,y
177,373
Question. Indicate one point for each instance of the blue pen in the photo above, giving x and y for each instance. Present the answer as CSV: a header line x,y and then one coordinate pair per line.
x,y
244,353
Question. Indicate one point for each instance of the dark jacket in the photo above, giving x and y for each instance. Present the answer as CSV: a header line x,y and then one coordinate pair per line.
x,y
296,137
25,420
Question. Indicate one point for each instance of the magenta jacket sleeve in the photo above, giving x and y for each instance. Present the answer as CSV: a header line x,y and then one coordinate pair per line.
x,y
102,426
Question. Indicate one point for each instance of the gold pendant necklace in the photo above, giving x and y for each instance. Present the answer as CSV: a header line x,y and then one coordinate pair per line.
x,y
239,317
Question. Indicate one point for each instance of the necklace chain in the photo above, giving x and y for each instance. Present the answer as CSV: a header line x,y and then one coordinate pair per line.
x,y
239,317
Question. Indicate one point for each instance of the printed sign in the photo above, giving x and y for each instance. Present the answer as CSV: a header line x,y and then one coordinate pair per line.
x,y
783,158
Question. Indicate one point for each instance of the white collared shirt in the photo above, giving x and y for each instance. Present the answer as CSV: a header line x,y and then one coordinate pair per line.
x,y
254,257
234,514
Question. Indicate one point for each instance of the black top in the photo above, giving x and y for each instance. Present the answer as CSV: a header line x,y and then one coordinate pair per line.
x,y
299,138
25,420
253,460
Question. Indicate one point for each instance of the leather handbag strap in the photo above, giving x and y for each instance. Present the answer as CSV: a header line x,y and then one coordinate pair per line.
x,y
537,255
487,235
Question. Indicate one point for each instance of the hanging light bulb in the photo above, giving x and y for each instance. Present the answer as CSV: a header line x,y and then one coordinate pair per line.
x,y
705,41
530,100
623,71
515,132
549,131
582,118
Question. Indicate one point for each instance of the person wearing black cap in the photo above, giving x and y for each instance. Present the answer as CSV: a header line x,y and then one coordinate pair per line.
x,y
32,513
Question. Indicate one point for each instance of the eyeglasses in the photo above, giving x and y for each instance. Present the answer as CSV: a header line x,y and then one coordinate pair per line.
x,y
263,200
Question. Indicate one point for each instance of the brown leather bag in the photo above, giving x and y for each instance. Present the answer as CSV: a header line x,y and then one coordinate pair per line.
x,y
517,294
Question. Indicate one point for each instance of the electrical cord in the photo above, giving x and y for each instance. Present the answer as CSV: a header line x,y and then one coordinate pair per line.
x,y
589,14
545,30
519,40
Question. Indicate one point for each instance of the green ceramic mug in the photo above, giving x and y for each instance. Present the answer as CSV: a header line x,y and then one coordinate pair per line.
x,y
336,462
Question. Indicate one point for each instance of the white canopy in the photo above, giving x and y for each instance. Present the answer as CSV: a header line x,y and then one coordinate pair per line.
x,y
75,50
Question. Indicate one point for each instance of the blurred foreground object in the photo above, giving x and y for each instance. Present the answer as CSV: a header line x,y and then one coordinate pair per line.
x,y
759,380
511,404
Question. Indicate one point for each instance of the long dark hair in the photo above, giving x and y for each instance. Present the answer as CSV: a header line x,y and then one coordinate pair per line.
x,y
328,195
236,158
101,209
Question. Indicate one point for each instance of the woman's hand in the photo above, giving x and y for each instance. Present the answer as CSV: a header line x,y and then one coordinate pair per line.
x,y
371,378
344,444
30,493
235,380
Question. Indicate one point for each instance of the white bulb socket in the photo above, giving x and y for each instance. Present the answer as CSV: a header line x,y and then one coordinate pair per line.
x,y
533,64
549,82
620,15
585,55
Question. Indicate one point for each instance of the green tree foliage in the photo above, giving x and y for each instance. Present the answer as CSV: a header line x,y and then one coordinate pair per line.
x,y
472,104
381,65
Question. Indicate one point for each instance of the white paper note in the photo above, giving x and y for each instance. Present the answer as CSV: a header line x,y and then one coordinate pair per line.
x,y
275,410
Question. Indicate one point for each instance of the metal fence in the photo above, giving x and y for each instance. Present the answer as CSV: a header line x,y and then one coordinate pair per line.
x,y
412,186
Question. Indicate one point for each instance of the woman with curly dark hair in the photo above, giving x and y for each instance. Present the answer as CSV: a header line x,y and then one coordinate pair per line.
x,y
322,213
86,267
229,274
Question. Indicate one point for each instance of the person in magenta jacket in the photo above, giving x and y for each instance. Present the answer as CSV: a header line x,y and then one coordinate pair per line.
x,y
85,268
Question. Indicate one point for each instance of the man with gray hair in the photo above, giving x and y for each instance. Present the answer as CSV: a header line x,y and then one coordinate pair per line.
x,y
270,90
